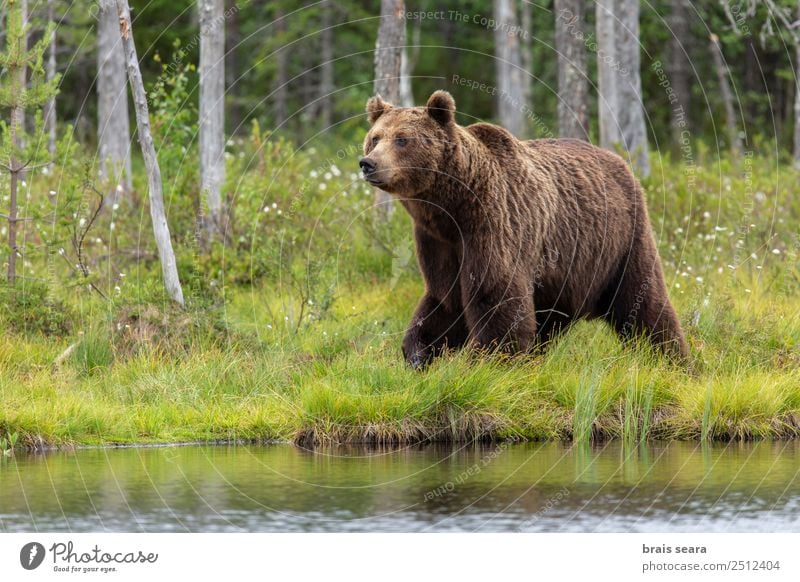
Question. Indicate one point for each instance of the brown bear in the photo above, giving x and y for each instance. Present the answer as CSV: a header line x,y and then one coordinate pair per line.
x,y
516,239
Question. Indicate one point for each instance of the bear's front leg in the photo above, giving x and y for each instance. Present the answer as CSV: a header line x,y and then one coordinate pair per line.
x,y
434,326
498,307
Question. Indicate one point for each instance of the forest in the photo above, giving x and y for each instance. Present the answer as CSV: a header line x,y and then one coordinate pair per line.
x,y
190,253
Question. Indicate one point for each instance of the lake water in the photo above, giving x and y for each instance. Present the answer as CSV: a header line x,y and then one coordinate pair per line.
x,y
550,487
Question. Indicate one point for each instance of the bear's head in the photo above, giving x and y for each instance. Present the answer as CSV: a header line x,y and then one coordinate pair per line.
x,y
406,146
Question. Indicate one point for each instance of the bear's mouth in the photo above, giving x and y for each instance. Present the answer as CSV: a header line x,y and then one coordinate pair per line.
x,y
373,181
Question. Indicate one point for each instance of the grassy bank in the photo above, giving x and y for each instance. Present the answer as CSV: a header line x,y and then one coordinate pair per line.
x,y
309,349
343,380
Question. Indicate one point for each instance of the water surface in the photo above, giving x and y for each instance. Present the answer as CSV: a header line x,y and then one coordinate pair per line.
x,y
549,487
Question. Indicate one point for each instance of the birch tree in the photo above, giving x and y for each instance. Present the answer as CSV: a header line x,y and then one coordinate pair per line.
x,y
606,74
326,81
731,124
622,115
50,75
113,127
212,113
158,216
573,81
510,100
678,66
388,69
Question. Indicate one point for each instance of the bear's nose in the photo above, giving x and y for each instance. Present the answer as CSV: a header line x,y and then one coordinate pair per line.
x,y
367,166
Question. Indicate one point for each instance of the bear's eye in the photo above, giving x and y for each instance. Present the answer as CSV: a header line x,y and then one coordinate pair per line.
x,y
401,141
375,140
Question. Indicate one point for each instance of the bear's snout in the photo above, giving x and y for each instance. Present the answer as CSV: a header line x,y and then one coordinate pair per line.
x,y
367,166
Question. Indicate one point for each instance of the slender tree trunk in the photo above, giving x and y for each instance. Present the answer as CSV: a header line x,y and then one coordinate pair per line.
x,y
22,72
157,214
212,113
631,114
727,96
408,63
113,126
610,133
280,103
50,107
797,97
232,39
679,70
510,102
388,70
573,81
326,84
16,21
526,50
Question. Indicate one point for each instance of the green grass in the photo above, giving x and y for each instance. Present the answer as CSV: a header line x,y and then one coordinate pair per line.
x,y
264,365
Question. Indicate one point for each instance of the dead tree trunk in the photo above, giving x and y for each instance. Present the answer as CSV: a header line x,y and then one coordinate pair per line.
x,y
158,216
573,81
526,50
113,128
388,70
326,82
726,94
610,134
280,103
212,113
633,125
797,96
510,102
50,74
678,69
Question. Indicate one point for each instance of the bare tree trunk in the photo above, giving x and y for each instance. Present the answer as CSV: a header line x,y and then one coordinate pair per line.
x,y
727,95
280,105
388,70
407,65
526,52
113,128
212,113
232,39
50,107
679,67
160,227
610,133
631,112
326,84
17,77
797,97
22,72
510,102
573,81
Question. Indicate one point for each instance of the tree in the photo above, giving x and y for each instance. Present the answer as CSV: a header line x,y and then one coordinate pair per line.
x,y
388,69
622,116
50,75
326,83
797,96
160,227
16,95
606,75
280,96
510,102
721,69
113,126
679,66
573,80
212,113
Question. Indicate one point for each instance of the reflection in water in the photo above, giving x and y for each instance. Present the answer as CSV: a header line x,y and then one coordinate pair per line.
x,y
497,487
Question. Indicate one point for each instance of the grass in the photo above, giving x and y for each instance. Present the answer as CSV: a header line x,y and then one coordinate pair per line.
x,y
343,380
268,368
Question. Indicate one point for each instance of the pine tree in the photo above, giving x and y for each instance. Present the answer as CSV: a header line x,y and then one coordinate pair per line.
x,y
18,62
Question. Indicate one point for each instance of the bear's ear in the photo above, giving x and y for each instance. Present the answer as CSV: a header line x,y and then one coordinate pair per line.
x,y
441,107
376,107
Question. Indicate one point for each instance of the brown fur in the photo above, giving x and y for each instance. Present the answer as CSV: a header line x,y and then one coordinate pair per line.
x,y
516,239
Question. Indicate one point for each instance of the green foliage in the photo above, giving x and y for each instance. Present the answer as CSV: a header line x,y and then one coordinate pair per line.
x,y
31,308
